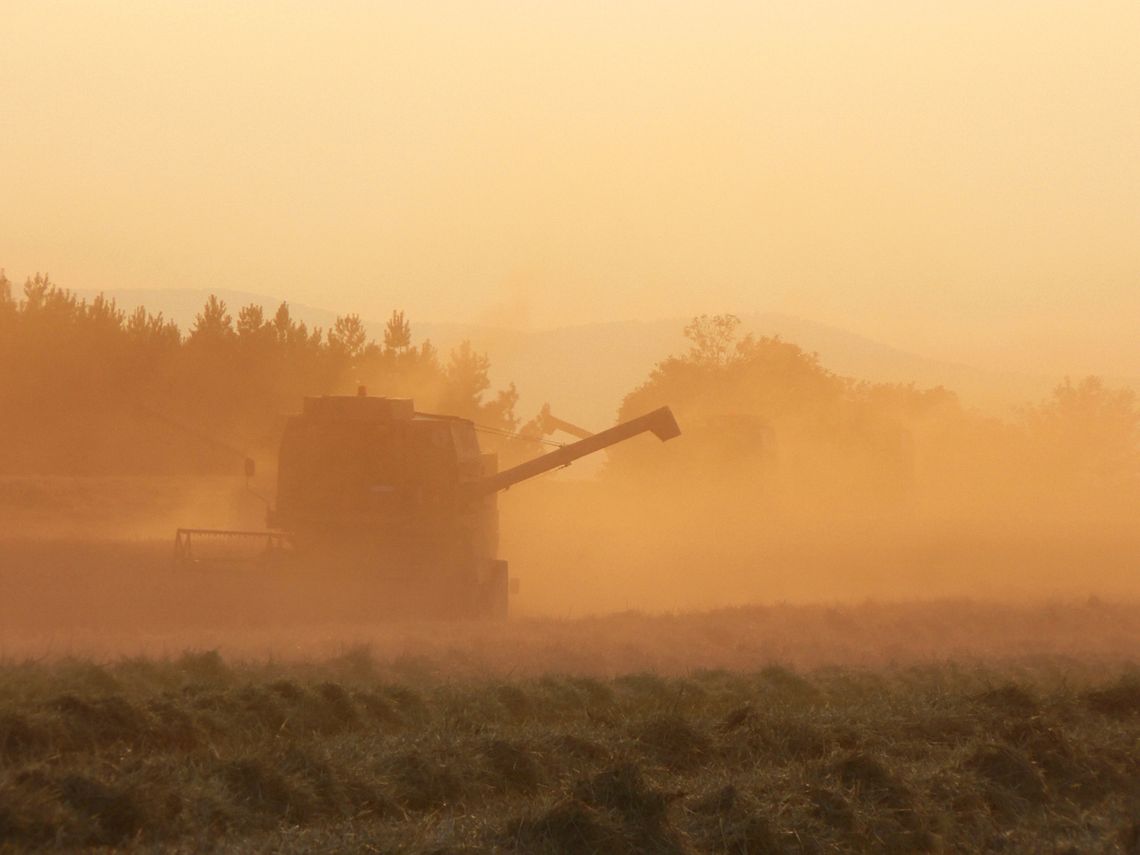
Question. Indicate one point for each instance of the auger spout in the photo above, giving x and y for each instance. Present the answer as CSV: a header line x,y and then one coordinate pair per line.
x,y
660,423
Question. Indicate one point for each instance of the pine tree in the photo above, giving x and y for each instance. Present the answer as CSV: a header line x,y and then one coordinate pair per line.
x,y
397,333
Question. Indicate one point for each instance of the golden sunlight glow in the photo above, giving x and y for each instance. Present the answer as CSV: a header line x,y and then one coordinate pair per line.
x,y
959,179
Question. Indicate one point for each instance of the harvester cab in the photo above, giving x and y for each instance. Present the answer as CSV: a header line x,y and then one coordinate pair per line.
x,y
370,484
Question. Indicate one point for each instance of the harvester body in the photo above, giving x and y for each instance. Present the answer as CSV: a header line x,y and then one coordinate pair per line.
x,y
367,483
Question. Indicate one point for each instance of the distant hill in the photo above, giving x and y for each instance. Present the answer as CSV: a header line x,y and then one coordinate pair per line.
x,y
584,371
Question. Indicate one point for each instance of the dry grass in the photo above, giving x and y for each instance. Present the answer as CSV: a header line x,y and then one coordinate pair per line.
x,y
359,752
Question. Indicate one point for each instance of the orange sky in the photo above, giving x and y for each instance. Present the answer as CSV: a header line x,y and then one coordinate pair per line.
x,y
960,179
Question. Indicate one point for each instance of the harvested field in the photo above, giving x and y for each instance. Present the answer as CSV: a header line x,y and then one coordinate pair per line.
x,y
235,709
365,754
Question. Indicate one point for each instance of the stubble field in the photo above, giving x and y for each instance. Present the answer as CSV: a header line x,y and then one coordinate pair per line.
x,y
143,709
355,753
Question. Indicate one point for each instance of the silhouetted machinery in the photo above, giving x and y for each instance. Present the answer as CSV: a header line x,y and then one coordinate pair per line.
x,y
369,484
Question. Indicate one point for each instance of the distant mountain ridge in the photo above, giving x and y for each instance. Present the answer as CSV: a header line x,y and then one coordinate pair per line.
x,y
560,365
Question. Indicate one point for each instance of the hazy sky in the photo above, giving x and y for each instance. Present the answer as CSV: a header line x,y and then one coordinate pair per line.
x,y
959,178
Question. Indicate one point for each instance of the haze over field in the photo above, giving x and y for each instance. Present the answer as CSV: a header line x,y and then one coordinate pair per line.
x,y
938,196
924,197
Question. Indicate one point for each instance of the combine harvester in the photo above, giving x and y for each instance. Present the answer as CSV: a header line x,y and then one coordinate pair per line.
x,y
369,485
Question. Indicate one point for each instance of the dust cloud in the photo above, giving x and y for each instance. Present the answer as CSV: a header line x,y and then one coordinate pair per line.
x,y
792,484
796,505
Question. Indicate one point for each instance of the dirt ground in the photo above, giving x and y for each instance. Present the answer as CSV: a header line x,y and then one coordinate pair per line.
x,y
113,599
86,570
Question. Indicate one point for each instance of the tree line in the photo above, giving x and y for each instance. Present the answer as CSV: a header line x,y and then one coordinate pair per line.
x,y
86,387
768,426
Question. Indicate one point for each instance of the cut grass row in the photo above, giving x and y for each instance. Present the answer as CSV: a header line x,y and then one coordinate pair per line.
x,y
199,753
